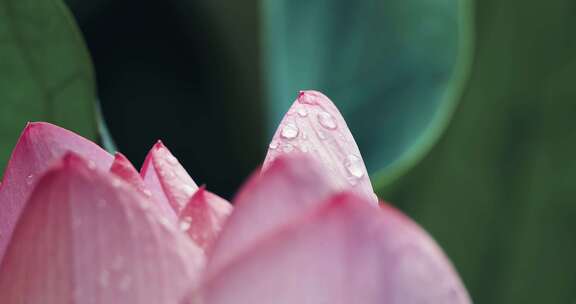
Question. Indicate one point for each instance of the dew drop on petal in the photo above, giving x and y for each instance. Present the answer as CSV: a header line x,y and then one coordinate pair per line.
x,y
273,145
352,180
326,120
116,183
91,165
30,179
290,131
302,112
353,165
306,98
185,223
188,189
164,221
321,134
287,148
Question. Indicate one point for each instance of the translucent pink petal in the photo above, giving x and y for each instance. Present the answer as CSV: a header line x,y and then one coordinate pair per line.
x,y
346,251
123,168
313,125
85,236
39,145
166,178
204,216
291,186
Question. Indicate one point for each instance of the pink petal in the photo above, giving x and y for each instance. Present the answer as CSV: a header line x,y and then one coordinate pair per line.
x,y
204,216
291,186
313,125
123,168
166,178
39,145
86,237
345,252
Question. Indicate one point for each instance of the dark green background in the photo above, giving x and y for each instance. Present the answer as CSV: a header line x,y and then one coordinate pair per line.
x,y
464,110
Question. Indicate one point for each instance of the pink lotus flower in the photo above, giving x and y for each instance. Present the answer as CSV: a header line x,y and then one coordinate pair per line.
x,y
81,226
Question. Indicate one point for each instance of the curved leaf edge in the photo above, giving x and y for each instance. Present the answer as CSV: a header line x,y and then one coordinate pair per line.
x,y
386,177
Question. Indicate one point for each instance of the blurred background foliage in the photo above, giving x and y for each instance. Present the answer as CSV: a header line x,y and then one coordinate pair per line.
x,y
463,110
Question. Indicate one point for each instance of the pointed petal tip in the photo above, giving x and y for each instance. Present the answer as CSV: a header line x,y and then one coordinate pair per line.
x,y
313,125
159,144
167,178
313,97
73,196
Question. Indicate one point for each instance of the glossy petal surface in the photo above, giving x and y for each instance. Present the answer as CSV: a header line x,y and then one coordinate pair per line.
x,y
166,178
204,216
346,251
289,187
40,144
313,125
87,237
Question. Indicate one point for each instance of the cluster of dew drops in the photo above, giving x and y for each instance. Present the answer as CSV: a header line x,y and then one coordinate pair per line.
x,y
290,131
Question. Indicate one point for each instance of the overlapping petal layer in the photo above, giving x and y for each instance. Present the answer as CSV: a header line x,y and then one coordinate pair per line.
x,y
345,251
204,216
289,187
39,145
86,236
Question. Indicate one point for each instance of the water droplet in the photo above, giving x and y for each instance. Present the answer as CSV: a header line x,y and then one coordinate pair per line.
x,y
290,131
354,166
326,120
352,180
185,223
164,221
30,179
302,112
321,134
273,145
304,148
147,192
188,189
306,98
287,148
91,165
116,183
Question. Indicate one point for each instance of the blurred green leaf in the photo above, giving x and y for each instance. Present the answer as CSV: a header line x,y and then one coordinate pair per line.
x,y
45,71
390,66
498,190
